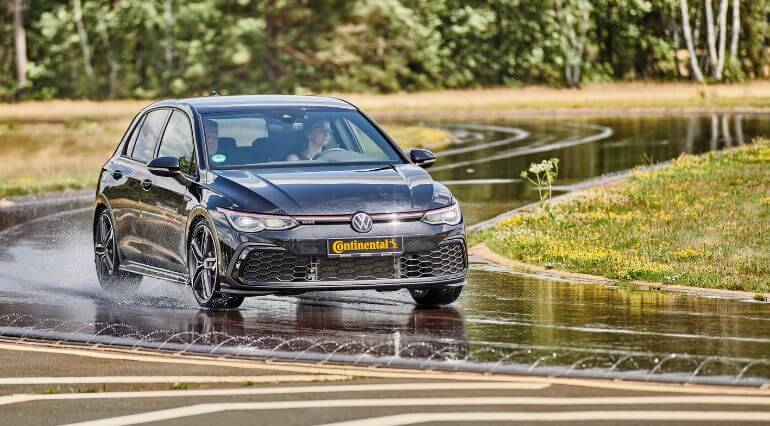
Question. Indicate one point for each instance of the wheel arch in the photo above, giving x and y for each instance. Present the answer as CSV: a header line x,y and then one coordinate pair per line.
x,y
100,204
198,214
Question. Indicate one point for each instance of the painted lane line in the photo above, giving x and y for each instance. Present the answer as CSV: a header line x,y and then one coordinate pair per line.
x,y
519,134
387,387
588,329
478,181
140,355
478,147
603,133
200,409
169,379
569,416
490,128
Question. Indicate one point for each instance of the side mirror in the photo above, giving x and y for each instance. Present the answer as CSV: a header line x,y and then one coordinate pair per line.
x,y
422,157
164,166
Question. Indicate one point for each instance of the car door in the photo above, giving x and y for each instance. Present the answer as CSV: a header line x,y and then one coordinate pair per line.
x,y
122,191
132,232
165,203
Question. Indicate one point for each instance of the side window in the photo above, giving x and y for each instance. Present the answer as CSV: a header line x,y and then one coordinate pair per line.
x,y
144,148
132,139
368,146
178,142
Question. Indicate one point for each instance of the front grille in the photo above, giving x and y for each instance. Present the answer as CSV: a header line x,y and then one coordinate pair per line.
x,y
282,266
447,259
273,265
356,268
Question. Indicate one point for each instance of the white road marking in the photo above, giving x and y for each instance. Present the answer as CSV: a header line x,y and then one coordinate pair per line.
x,y
140,355
569,416
170,379
519,135
604,133
292,367
199,409
387,387
478,181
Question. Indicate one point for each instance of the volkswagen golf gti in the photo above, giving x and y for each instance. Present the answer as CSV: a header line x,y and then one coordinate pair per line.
x,y
241,196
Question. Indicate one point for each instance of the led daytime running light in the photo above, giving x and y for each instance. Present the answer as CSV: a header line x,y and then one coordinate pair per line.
x,y
251,222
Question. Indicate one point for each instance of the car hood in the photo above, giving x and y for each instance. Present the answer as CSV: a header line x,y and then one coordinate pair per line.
x,y
330,190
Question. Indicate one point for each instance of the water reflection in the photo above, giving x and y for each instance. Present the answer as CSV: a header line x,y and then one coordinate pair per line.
x,y
632,141
502,323
48,287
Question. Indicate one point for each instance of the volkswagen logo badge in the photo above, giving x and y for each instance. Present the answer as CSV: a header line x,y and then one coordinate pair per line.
x,y
361,222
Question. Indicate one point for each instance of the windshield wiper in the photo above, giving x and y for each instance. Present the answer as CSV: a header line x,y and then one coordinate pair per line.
x,y
377,169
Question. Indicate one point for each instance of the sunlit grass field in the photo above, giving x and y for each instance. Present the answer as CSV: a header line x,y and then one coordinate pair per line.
x,y
626,96
704,222
66,153
537,99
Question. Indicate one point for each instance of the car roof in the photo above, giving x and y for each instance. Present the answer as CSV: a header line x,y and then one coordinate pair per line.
x,y
225,103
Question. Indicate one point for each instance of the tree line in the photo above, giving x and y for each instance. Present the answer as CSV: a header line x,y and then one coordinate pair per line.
x,y
152,48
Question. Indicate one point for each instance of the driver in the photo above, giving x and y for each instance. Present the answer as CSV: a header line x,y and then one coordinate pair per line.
x,y
318,137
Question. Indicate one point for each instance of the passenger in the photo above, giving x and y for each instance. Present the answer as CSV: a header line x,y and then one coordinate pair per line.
x,y
319,135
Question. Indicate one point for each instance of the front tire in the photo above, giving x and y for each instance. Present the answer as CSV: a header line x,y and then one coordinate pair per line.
x,y
435,296
203,266
107,261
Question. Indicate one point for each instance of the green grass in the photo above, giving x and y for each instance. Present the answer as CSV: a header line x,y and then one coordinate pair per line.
x,y
702,222
178,386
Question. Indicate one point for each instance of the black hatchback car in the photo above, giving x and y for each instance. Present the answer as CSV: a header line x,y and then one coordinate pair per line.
x,y
254,195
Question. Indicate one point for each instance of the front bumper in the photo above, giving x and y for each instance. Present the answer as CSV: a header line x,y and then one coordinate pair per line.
x,y
295,261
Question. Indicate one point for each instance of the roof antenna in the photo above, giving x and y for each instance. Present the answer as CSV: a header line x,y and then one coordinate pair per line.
x,y
214,93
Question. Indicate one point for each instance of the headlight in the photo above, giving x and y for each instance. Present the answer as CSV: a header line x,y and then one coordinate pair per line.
x,y
444,216
250,222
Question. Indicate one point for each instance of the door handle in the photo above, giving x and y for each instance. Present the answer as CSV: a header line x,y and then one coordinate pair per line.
x,y
146,184
117,174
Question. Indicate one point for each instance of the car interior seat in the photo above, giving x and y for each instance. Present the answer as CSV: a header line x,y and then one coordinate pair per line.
x,y
276,148
260,150
228,148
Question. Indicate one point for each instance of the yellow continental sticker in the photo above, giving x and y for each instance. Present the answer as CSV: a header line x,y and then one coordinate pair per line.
x,y
364,246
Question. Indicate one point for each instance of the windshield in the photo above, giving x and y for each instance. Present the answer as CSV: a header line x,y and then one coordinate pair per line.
x,y
302,136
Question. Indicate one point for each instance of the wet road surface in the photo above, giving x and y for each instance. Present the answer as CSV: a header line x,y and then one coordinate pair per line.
x,y
502,322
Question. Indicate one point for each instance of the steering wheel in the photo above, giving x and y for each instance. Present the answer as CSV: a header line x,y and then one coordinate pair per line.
x,y
326,152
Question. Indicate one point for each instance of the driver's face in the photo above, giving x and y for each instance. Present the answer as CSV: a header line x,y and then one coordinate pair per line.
x,y
321,133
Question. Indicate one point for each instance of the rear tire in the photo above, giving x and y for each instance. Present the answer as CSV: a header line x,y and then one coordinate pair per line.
x,y
107,260
435,296
203,266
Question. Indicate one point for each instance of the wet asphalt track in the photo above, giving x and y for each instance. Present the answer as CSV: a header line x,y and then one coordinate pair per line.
x,y
502,322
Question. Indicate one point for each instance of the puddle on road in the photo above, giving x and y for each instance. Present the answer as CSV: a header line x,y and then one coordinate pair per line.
x,y
585,149
591,326
502,322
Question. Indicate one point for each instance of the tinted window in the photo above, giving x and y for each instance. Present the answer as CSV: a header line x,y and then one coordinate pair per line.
x,y
144,148
306,136
178,142
243,130
134,135
367,144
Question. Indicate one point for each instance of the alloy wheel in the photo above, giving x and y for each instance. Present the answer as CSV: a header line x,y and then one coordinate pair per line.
x,y
203,264
104,246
